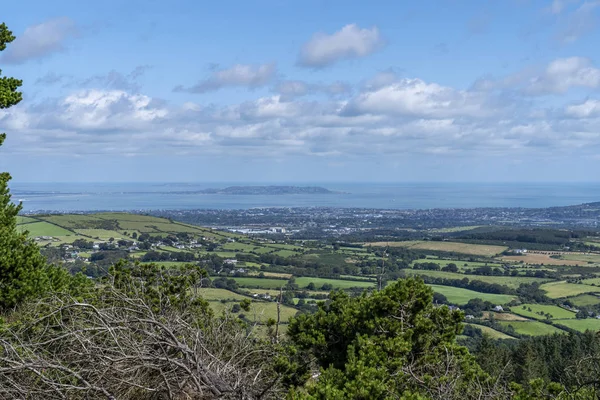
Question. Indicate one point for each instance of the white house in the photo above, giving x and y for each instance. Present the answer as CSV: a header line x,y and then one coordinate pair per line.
x,y
498,309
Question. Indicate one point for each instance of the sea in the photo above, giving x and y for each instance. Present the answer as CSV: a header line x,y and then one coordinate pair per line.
x,y
84,197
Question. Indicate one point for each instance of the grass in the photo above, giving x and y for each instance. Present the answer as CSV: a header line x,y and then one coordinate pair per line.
x,y
583,258
510,281
585,300
362,278
581,325
556,290
25,220
44,229
336,283
462,296
463,248
532,328
101,233
140,227
494,334
285,253
592,281
213,294
555,311
502,316
260,282
72,221
238,247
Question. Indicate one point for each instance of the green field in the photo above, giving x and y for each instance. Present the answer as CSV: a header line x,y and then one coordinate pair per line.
x,y
462,296
442,262
44,229
532,328
103,234
581,325
585,300
494,334
456,247
555,290
263,283
238,247
555,311
25,220
212,294
361,278
591,281
73,221
510,281
336,283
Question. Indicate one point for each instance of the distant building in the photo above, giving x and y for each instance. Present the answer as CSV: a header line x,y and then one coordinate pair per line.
x,y
231,261
520,251
498,309
469,316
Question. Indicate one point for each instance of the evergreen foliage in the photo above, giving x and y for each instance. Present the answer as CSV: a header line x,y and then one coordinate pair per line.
x,y
388,345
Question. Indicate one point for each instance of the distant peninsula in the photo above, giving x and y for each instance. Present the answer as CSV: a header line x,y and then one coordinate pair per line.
x,y
269,190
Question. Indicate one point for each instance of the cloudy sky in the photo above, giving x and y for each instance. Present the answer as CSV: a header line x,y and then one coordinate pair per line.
x,y
303,91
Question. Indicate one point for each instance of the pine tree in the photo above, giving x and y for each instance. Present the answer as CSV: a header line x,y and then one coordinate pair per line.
x,y
22,267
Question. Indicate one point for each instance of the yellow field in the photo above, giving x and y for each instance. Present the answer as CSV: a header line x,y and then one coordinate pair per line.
x,y
503,316
538,259
464,248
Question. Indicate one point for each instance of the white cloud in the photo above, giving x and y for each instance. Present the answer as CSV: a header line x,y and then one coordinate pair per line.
x,y
40,40
557,77
113,110
563,74
587,109
393,117
414,97
349,42
245,75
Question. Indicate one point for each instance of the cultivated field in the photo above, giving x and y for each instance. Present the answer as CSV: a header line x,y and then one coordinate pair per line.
x,y
462,296
510,281
44,229
539,311
585,300
540,259
263,283
494,334
335,283
532,328
213,294
556,290
502,316
464,248
581,325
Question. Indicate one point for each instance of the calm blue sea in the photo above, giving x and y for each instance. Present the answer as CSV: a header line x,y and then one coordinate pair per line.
x,y
153,196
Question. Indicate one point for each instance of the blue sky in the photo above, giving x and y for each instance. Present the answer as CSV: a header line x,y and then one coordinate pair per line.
x,y
311,91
